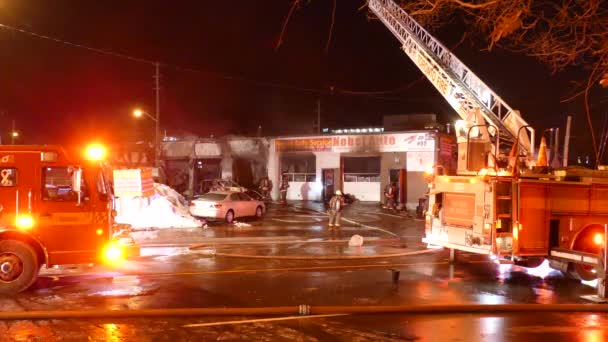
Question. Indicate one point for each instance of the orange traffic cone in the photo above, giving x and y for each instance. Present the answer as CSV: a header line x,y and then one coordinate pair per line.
x,y
541,161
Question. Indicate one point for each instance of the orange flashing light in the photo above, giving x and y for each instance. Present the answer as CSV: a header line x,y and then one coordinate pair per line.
x,y
24,222
598,239
113,253
96,152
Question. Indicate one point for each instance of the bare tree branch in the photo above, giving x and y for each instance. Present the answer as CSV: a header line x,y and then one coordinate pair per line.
x,y
331,28
561,34
285,23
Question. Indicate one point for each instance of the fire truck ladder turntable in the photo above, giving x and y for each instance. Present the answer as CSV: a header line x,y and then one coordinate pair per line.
x,y
462,89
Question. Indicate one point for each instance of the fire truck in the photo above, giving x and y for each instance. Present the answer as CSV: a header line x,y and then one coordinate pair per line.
x,y
53,211
503,200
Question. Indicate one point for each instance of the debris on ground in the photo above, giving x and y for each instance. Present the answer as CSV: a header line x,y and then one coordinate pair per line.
x,y
165,209
241,224
356,241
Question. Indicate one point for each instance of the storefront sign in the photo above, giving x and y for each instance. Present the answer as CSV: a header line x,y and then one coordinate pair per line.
x,y
398,142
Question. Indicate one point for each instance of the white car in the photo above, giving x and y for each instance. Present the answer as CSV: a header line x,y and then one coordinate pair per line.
x,y
226,205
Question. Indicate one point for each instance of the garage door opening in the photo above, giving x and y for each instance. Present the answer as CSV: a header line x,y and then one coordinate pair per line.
x,y
362,177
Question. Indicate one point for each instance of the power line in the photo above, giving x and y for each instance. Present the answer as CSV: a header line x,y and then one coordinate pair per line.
x,y
267,84
164,64
57,40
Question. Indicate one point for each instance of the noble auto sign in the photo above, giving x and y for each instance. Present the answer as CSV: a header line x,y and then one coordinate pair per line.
x,y
398,142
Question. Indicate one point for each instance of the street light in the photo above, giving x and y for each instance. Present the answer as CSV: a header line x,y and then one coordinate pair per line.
x,y
14,135
138,113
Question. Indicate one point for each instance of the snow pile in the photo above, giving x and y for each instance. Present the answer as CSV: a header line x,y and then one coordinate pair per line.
x,y
241,224
356,241
165,209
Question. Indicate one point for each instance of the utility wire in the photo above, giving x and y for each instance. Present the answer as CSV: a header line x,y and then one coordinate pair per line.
x,y
164,64
218,75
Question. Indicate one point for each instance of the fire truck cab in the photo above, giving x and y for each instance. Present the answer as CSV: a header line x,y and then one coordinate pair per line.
x,y
53,211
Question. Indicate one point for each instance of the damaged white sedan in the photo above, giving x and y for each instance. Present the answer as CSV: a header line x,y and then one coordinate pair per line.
x,y
226,205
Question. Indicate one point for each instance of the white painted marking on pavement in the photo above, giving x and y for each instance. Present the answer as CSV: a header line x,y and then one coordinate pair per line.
x,y
258,320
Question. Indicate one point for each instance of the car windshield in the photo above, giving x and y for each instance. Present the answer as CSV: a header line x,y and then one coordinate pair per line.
x,y
211,196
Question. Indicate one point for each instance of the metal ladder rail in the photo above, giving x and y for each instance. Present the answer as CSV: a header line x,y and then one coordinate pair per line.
x,y
411,34
464,101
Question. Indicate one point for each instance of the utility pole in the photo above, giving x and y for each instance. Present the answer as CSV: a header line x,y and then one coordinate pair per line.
x,y
13,132
567,141
157,141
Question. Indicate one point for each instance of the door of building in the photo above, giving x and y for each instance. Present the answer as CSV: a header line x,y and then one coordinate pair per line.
x,y
328,181
399,177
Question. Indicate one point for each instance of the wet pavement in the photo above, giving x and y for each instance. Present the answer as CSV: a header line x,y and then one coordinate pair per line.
x,y
288,259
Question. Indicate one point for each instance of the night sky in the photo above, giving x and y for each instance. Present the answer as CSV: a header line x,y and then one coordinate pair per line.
x,y
61,94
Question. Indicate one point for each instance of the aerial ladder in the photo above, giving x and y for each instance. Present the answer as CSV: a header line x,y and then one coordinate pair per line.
x,y
489,125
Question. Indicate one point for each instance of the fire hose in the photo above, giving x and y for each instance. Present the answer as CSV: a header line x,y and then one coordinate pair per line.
x,y
305,310
312,257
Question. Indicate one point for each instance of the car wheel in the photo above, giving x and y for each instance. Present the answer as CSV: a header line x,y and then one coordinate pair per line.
x,y
18,266
229,216
259,212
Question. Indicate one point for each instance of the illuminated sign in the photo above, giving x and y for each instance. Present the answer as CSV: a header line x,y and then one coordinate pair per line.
x,y
398,142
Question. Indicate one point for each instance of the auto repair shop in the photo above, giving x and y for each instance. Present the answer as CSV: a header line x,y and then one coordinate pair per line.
x,y
358,164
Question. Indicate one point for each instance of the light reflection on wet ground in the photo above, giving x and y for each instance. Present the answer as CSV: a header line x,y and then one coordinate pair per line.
x,y
196,280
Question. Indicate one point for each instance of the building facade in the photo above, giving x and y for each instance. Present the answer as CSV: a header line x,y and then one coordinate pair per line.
x,y
358,164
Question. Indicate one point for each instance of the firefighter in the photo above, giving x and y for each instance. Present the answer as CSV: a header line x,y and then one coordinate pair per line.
x,y
390,194
265,187
283,189
336,203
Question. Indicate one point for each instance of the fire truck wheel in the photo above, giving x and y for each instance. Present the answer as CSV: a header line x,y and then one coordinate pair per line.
x,y
18,266
530,262
581,272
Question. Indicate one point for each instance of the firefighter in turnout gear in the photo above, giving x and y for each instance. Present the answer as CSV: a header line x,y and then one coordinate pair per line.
x,y
336,203
265,187
283,189
391,195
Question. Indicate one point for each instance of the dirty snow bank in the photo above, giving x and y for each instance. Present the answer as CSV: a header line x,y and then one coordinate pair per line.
x,y
165,209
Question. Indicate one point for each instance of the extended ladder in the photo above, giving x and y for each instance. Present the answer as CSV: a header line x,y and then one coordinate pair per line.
x,y
462,89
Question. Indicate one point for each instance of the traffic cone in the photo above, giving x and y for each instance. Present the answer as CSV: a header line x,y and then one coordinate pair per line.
x,y
541,161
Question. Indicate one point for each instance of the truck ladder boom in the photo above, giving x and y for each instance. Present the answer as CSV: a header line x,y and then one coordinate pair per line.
x,y
462,89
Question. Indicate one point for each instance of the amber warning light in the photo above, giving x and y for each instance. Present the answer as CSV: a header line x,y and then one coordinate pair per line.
x,y
95,152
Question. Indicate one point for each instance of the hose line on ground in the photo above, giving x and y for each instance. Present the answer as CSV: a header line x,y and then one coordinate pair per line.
x,y
312,257
305,310
288,242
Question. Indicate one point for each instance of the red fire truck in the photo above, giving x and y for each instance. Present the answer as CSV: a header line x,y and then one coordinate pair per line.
x,y
53,211
501,202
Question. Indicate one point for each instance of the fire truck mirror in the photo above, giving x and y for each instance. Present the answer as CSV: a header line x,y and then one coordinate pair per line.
x,y
77,182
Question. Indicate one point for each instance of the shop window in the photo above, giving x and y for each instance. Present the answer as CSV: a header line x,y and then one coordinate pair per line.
x,y
361,169
299,168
